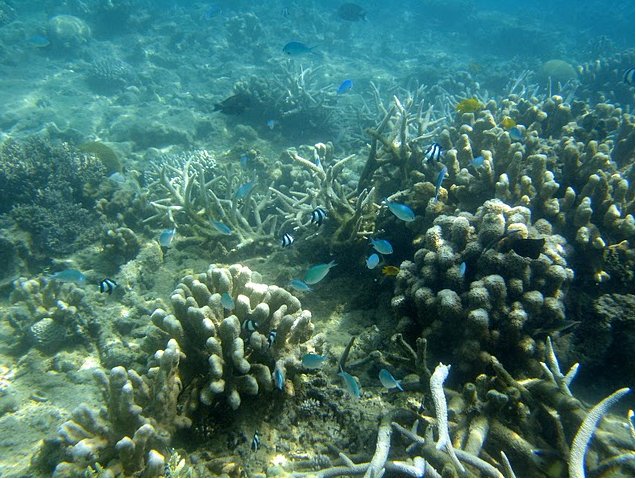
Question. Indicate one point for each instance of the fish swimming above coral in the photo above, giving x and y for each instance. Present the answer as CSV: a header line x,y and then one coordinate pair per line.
x,y
69,276
351,12
297,48
526,247
344,87
234,105
628,76
401,211
469,105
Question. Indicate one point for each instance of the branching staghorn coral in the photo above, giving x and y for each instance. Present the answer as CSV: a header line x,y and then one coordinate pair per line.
x,y
352,214
193,185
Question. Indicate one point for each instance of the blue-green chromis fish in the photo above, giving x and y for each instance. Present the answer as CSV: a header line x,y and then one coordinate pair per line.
x,y
69,276
221,227
373,261
166,237
312,361
388,381
382,246
226,301
316,273
297,48
440,178
401,211
299,285
279,378
350,384
244,190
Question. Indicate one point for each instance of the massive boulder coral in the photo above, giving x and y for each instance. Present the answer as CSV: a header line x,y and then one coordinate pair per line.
x,y
470,300
235,349
126,436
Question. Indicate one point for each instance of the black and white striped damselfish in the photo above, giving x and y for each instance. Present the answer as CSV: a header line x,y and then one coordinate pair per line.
x,y
271,338
256,442
250,325
107,285
286,240
433,152
318,216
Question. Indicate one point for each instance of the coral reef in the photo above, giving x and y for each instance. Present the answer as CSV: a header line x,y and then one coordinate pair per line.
x,y
126,436
234,354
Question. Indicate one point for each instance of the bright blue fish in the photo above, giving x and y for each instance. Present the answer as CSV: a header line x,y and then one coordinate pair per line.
x,y
227,302
279,378
166,237
69,276
244,160
299,285
382,246
350,384
221,227
344,87
440,178
316,273
312,361
244,190
478,161
388,381
462,269
515,134
373,261
401,211
297,48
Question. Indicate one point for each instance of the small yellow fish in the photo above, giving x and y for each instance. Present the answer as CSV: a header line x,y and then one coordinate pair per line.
x,y
469,105
508,122
390,270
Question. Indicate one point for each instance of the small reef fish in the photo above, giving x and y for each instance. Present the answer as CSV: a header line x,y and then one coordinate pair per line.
x,y
271,338
234,105
433,152
382,246
508,122
279,378
256,442
440,179
297,48
388,381
250,325
244,160
299,285
515,134
628,76
286,240
166,237
211,11
271,124
401,211
39,41
227,302
477,161
117,178
318,216
462,269
390,270
344,87
351,12
372,261
107,285
221,227
350,384
526,247
244,190
312,361
316,273
469,105
69,276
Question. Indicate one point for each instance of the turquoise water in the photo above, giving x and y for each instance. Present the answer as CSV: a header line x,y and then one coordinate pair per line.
x,y
169,169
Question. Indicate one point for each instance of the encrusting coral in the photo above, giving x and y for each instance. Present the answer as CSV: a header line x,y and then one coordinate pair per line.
x,y
234,352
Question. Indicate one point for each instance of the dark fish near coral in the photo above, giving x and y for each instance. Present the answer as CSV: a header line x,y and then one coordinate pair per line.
x,y
526,247
351,12
318,216
440,179
107,285
234,105
297,48
271,338
286,240
628,76
250,325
